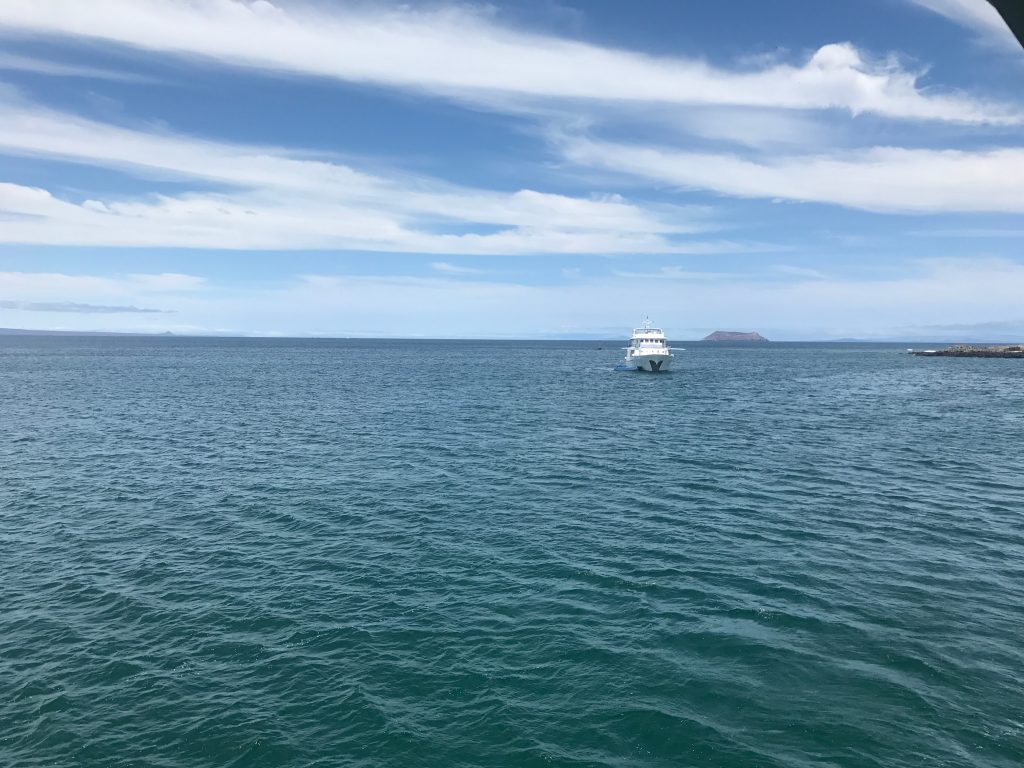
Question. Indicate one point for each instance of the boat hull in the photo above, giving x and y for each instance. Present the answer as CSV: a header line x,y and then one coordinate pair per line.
x,y
651,363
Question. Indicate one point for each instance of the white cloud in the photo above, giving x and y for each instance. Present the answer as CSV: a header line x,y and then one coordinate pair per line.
x,y
882,179
978,15
62,301
257,220
278,199
970,232
788,269
766,129
166,282
678,273
9,61
459,53
452,269
122,289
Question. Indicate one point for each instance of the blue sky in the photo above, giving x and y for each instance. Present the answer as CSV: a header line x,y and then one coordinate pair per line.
x,y
809,170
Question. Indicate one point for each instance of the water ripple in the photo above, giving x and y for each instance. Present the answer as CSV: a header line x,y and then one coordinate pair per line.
x,y
280,553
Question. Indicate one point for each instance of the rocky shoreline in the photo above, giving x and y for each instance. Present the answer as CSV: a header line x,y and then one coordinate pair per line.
x,y
970,350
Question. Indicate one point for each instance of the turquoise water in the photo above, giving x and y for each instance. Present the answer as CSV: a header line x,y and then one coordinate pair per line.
x,y
317,553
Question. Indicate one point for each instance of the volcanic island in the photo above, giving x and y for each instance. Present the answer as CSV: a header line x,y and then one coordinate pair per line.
x,y
734,336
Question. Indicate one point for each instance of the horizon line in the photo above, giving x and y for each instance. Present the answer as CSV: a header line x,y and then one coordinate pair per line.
x,y
356,337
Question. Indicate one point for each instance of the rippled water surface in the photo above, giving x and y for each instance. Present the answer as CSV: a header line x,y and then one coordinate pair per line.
x,y
319,553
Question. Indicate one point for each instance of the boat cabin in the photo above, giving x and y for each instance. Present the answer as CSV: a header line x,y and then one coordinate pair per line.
x,y
648,337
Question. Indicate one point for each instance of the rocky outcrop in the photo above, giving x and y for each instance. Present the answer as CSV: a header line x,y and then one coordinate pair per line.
x,y
734,336
970,350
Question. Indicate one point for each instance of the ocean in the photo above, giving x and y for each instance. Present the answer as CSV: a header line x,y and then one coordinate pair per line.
x,y
257,552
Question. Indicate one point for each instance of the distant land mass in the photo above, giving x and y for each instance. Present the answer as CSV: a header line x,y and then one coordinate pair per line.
x,y
734,336
30,332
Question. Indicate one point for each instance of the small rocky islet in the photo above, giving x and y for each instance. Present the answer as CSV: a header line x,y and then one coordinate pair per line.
x,y
972,350
734,336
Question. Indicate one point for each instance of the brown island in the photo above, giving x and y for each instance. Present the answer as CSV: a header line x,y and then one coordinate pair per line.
x,y
734,336
970,350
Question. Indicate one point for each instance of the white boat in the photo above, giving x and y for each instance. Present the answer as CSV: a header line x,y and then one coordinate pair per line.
x,y
648,350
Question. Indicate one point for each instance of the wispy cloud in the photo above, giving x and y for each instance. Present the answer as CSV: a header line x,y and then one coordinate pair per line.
x,y
12,62
970,232
759,128
70,306
75,289
273,198
881,179
460,53
267,219
452,269
813,274
677,273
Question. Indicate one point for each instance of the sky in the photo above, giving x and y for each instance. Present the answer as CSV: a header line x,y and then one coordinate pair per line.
x,y
809,170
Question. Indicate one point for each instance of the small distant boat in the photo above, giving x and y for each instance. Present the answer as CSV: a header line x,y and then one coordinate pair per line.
x,y
648,350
